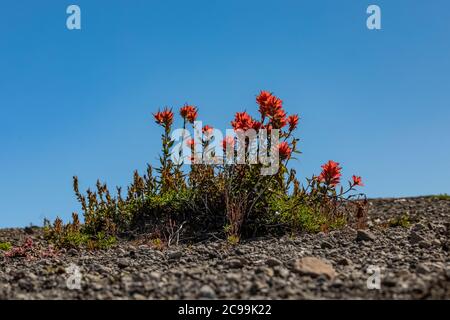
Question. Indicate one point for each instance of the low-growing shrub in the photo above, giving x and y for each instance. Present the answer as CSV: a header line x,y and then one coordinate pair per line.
x,y
443,196
74,235
223,192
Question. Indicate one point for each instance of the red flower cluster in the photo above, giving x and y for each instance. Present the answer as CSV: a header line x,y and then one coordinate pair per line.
x,y
190,142
164,118
293,122
243,121
357,181
257,125
189,113
268,103
331,173
207,129
284,150
272,107
228,141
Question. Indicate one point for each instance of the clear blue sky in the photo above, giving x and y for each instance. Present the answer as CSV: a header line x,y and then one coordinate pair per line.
x,y
80,102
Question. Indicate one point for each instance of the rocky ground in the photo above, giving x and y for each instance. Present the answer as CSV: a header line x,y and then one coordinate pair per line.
x,y
413,262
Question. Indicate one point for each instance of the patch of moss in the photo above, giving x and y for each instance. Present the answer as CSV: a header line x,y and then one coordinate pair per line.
x,y
402,221
5,246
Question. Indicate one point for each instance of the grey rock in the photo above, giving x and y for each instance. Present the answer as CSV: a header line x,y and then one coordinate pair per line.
x,y
281,272
314,267
415,238
233,277
272,262
326,245
96,286
235,263
138,296
436,243
207,292
344,261
365,235
72,252
424,244
123,263
447,272
418,227
176,255
422,269
155,275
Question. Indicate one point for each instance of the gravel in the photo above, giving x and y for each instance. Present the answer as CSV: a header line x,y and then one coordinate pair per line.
x,y
413,263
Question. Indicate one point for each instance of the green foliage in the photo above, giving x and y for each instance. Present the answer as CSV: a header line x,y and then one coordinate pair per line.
x,y
401,221
75,235
233,200
101,241
443,196
233,239
298,214
5,246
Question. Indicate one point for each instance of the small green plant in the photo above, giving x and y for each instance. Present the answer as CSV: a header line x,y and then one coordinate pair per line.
x,y
401,221
233,239
5,246
157,244
297,214
101,241
74,235
442,196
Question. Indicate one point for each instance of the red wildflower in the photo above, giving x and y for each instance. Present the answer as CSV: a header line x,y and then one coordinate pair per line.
x,y
293,122
189,113
269,104
331,173
357,181
164,118
256,125
190,142
207,129
228,141
263,101
242,121
272,107
279,119
268,127
274,104
284,150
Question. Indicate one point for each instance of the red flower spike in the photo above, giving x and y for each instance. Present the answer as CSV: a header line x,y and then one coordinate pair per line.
x,y
331,173
256,125
263,100
357,181
228,141
207,129
164,118
279,119
284,150
190,142
242,121
293,122
189,113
